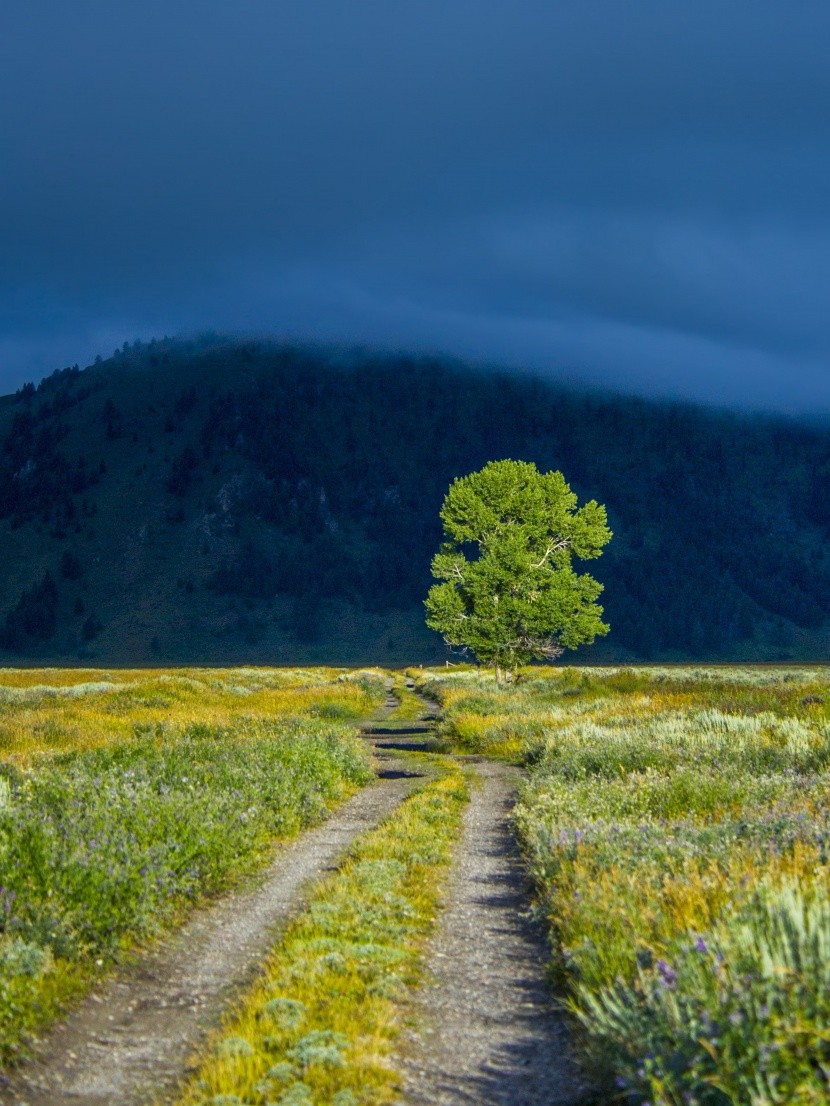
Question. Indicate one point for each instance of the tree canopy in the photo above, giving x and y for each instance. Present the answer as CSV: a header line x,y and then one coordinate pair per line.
x,y
508,589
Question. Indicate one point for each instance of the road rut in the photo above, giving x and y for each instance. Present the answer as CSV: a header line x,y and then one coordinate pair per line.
x,y
489,1031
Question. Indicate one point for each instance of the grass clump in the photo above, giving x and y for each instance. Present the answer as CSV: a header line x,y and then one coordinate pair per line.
x,y
319,1026
739,1014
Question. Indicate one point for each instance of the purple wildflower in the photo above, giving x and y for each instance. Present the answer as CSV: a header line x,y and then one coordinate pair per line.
x,y
667,973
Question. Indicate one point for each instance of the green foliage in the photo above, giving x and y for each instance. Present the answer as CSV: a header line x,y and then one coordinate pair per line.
x,y
739,1014
509,591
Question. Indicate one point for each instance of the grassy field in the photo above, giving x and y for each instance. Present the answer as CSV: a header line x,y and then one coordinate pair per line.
x,y
44,711
125,797
677,824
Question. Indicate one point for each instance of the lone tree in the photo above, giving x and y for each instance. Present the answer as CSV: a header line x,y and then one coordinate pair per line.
x,y
509,592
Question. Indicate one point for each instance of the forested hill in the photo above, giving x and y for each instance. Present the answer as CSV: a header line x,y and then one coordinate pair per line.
x,y
223,502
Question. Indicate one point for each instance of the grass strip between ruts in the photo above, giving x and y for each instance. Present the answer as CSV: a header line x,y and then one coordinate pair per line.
x,y
410,706
319,1025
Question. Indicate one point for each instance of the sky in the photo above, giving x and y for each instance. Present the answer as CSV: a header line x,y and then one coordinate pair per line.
x,y
633,194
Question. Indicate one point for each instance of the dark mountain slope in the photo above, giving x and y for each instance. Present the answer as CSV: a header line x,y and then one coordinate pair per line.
x,y
196,501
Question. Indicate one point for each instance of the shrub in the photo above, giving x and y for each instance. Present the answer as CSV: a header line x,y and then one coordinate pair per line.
x,y
739,1014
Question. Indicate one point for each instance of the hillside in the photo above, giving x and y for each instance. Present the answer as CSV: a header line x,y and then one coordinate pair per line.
x,y
227,502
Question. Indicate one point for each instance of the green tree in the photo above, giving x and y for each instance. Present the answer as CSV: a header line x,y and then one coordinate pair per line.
x,y
508,590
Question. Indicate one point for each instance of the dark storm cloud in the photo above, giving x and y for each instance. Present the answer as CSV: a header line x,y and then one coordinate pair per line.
x,y
628,193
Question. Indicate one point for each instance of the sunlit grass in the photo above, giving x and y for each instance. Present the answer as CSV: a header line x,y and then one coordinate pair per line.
x,y
49,710
677,824
320,1024
126,797
410,706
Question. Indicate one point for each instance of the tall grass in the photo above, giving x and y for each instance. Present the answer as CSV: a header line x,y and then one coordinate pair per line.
x,y
109,833
738,1015
677,825
55,710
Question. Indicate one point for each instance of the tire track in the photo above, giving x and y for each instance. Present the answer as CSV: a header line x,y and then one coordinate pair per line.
x,y
131,1039
490,1033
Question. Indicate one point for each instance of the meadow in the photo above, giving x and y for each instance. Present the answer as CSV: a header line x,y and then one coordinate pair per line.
x,y
677,826
676,823
126,797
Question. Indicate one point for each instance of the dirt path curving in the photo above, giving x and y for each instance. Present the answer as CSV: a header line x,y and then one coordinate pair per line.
x,y
129,1042
489,1031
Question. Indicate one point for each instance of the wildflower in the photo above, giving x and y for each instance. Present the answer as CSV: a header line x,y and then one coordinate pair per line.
x,y
667,973
700,945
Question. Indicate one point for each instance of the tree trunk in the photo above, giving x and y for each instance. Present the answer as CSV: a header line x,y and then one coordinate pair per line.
x,y
498,673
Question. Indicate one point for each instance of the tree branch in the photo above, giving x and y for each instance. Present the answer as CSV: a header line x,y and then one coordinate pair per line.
x,y
553,547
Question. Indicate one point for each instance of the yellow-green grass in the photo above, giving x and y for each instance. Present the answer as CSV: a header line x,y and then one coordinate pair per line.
x,y
480,716
320,1024
44,711
127,800
410,706
677,824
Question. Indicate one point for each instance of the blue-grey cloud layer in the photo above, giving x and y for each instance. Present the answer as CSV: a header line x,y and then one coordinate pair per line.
x,y
633,193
